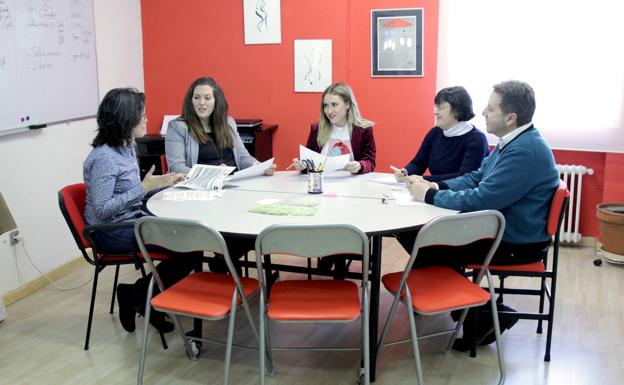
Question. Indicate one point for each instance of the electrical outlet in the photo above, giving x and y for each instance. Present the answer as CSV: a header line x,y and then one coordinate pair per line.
x,y
14,237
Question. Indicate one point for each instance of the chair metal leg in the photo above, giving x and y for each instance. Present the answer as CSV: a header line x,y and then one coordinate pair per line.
x,y
148,311
502,288
188,346
112,306
270,368
460,322
91,306
163,340
365,336
386,327
414,335
230,337
499,344
541,303
551,315
261,342
142,270
473,325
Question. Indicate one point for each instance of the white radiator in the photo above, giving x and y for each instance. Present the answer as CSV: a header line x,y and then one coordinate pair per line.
x,y
573,176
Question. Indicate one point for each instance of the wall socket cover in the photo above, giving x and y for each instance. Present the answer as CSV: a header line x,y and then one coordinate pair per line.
x,y
13,240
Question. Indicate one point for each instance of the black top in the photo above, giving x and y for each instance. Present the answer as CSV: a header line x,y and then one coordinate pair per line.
x,y
449,157
209,154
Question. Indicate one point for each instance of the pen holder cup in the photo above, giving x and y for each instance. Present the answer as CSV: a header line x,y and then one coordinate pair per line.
x,y
315,182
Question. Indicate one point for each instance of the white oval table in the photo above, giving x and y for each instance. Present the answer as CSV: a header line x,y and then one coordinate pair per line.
x,y
354,199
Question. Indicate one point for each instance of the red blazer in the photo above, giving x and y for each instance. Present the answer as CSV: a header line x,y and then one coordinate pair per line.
x,y
362,144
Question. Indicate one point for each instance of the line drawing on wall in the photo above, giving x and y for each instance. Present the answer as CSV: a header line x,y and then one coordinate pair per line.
x,y
263,15
313,65
262,21
313,58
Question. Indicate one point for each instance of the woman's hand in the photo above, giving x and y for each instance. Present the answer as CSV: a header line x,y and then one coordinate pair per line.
x,y
400,175
151,181
353,167
270,170
298,165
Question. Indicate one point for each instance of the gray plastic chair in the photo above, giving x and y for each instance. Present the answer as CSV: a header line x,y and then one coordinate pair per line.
x,y
205,295
313,300
439,289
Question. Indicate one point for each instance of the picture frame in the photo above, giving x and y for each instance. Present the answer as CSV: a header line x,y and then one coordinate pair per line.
x,y
313,65
397,40
262,21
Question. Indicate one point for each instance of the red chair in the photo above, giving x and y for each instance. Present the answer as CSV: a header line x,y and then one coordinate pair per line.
x,y
72,203
305,301
558,205
163,164
201,295
439,289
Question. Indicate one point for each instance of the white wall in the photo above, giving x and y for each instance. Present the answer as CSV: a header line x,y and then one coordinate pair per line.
x,y
35,165
567,50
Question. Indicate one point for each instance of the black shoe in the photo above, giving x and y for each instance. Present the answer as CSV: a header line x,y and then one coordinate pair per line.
x,y
462,345
504,324
157,320
127,312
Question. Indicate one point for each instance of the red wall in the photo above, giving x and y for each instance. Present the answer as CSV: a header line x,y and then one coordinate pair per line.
x,y
205,38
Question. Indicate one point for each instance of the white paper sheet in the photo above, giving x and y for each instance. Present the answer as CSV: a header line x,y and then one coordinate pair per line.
x,y
191,195
255,170
389,180
330,163
165,123
404,198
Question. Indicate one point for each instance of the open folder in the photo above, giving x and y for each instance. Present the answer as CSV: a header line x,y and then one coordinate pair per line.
x,y
329,163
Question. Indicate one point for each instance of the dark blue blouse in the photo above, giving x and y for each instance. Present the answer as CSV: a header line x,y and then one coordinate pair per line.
x,y
448,157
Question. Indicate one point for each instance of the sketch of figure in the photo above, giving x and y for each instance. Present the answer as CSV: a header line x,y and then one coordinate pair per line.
x,y
6,20
257,14
262,15
313,58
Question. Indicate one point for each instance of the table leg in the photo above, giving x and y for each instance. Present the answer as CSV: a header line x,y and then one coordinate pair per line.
x,y
374,277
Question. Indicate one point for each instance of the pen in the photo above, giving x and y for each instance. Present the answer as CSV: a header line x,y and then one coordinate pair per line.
x,y
397,170
291,166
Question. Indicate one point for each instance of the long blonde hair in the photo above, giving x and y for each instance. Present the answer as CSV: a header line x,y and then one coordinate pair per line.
x,y
353,114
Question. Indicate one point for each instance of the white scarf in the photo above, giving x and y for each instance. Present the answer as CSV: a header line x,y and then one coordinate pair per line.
x,y
457,130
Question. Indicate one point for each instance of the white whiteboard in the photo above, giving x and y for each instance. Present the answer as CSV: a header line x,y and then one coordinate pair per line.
x,y
48,68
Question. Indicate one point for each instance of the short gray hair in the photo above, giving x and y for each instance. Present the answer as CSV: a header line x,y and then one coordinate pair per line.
x,y
517,97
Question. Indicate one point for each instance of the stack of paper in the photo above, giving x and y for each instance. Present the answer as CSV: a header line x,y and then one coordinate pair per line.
x,y
204,177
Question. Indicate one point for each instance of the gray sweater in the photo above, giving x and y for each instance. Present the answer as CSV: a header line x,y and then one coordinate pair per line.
x,y
182,149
